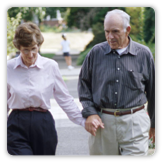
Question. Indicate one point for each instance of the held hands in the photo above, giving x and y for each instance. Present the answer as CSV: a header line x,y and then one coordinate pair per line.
x,y
92,123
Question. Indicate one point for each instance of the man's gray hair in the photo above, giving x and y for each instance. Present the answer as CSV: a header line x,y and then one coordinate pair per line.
x,y
124,15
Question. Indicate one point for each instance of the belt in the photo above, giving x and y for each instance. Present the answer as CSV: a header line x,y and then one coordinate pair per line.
x,y
32,109
120,113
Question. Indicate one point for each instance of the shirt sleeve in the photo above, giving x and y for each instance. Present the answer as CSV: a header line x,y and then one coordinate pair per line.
x,y
66,101
150,92
84,88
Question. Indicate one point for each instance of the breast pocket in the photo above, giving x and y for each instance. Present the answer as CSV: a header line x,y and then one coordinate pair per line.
x,y
133,80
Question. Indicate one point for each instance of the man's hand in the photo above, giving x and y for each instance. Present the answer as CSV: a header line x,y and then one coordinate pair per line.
x,y
152,134
92,123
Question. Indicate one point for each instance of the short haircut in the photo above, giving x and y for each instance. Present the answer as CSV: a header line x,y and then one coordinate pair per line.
x,y
27,34
125,17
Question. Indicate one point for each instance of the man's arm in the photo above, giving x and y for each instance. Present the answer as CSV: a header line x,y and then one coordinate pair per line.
x,y
85,96
150,91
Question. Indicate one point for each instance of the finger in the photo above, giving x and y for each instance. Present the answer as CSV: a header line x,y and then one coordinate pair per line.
x,y
93,131
102,125
95,124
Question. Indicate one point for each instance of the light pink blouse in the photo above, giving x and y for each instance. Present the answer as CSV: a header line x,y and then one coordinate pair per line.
x,y
34,86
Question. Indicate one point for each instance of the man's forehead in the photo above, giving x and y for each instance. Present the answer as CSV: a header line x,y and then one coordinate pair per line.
x,y
114,21
113,17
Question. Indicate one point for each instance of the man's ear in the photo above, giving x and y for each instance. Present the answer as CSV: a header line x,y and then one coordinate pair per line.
x,y
128,29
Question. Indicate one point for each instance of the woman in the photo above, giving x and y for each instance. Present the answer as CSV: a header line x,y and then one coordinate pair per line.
x,y
31,81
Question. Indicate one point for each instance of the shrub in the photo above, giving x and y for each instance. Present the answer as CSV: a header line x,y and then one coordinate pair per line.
x,y
82,56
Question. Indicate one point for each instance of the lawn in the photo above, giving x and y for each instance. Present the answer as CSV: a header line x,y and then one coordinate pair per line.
x,y
52,41
48,55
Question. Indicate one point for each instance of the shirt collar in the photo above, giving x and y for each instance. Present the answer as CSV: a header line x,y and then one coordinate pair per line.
x,y
130,49
19,62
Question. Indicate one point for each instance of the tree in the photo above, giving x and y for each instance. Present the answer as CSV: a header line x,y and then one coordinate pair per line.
x,y
12,24
28,13
142,23
149,25
76,15
52,11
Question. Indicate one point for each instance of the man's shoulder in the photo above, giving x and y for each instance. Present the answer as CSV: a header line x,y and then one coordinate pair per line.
x,y
139,46
101,45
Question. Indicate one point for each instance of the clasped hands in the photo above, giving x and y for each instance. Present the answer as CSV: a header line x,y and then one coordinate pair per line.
x,y
92,123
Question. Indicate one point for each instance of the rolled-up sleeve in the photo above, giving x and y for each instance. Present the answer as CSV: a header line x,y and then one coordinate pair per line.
x,y
150,91
84,88
65,100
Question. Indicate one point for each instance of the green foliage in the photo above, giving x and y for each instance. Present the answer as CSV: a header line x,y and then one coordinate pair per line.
x,y
76,15
12,24
149,25
151,145
48,55
28,12
53,10
82,56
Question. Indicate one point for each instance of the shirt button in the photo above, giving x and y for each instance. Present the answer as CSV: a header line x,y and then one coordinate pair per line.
x,y
116,93
117,81
115,104
118,68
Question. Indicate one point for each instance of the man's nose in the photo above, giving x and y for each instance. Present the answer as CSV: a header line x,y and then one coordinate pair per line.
x,y
110,35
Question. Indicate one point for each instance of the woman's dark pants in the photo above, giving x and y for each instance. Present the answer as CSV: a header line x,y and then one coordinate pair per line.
x,y
31,133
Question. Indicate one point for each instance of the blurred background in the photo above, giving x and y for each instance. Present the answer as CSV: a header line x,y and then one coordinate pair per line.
x,y
83,26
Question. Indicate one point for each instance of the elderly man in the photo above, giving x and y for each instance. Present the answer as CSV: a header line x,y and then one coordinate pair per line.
x,y
116,80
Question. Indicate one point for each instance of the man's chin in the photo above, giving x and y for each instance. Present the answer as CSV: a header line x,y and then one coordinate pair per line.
x,y
113,46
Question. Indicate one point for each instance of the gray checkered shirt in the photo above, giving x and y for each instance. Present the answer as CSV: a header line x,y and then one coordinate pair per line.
x,y
110,80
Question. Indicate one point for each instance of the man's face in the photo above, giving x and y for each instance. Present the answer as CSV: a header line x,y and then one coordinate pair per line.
x,y
29,54
114,32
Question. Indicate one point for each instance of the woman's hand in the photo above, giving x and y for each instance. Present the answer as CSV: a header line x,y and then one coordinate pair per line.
x,y
92,123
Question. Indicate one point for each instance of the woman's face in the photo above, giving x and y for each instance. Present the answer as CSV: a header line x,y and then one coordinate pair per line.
x,y
29,54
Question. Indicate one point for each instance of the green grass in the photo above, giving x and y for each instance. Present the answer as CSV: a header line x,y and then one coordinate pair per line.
x,y
48,55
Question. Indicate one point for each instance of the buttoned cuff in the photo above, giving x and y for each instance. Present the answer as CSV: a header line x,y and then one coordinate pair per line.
x,y
86,112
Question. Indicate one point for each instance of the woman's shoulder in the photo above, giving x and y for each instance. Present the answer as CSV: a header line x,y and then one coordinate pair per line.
x,y
49,62
11,63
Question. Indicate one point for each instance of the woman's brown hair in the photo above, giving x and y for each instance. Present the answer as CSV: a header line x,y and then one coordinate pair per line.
x,y
27,34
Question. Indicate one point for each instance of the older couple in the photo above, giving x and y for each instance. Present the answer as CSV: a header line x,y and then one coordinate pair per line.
x,y
116,80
